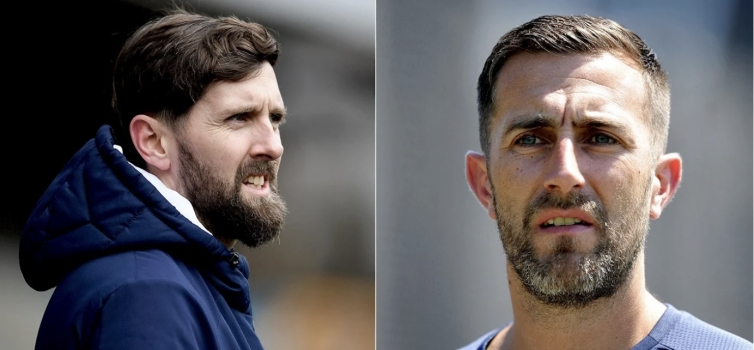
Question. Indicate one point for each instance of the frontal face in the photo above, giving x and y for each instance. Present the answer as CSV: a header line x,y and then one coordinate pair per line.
x,y
230,149
570,173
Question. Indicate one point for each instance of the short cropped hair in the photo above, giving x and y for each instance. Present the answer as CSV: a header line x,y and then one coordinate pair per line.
x,y
166,65
565,35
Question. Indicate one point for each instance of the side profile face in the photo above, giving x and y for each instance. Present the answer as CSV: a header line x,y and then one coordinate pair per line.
x,y
569,176
229,154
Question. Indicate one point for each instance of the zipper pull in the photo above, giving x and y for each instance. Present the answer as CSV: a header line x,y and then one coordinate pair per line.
x,y
234,260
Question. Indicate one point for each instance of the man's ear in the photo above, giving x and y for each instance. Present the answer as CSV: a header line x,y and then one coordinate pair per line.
x,y
479,183
149,136
665,182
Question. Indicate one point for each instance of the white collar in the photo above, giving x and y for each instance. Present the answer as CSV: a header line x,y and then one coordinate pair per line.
x,y
179,202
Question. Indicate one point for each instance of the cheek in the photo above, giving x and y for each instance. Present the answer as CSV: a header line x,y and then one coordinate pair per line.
x,y
233,146
516,181
220,155
623,185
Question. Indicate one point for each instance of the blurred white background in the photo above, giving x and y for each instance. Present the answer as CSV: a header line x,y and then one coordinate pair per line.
x,y
441,280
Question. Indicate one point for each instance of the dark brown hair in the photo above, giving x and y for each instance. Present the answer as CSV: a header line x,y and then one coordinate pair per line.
x,y
166,65
577,35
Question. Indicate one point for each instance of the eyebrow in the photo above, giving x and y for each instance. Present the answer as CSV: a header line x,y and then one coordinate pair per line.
x,y
535,121
250,109
279,111
538,121
598,122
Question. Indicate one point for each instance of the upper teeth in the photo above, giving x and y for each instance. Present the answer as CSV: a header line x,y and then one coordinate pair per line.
x,y
256,181
563,221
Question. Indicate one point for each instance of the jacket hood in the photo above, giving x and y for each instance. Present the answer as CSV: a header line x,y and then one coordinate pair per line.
x,y
99,204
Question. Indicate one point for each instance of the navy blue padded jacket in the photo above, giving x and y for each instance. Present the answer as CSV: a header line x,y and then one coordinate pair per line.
x,y
129,271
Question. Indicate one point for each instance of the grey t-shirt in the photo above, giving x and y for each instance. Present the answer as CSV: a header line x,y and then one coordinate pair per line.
x,y
676,330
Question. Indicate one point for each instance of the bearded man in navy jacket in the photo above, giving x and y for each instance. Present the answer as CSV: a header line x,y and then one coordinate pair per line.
x,y
137,234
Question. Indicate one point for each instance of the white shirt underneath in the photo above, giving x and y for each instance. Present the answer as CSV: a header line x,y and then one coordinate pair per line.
x,y
179,202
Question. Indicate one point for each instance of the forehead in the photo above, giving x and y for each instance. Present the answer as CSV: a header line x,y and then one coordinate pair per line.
x,y
254,93
570,84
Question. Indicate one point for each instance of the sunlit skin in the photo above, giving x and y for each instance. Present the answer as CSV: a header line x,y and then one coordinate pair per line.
x,y
232,122
563,124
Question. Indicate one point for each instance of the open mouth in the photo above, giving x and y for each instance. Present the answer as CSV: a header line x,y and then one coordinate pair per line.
x,y
563,221
256,181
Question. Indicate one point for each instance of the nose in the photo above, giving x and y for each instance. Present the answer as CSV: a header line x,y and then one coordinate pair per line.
x,y
266,141
563,174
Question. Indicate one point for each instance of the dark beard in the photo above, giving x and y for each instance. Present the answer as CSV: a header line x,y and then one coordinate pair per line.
x,y
220,206
566,277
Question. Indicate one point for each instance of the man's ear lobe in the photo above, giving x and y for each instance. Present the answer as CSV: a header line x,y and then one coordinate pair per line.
x,y
479,183
665,182
149,136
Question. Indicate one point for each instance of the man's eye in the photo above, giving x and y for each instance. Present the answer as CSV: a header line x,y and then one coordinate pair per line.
x,y
601,139
529,140
238,117
277,118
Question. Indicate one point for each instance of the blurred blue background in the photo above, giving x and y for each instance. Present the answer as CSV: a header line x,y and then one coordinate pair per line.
x,y
312,289
441,279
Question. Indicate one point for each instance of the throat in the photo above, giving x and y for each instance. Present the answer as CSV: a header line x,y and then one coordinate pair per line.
x,y
617,322
227,242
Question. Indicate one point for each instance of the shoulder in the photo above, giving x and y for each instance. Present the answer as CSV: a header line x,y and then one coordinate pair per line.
x,y
154,314
120,298
90,286
112,271
690,332
139,269
481,342
161,299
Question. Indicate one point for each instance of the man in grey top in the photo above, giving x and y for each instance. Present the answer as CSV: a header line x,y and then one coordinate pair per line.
x,y
573,121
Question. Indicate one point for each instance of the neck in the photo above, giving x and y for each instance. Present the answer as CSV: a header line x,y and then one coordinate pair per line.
x,y
618,322
166,177
227,242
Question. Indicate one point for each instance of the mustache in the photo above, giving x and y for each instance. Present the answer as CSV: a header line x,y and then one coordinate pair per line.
x,y
551,200
259,167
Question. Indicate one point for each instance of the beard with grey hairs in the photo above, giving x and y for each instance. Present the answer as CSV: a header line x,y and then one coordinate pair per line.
x,y
563,276
221,207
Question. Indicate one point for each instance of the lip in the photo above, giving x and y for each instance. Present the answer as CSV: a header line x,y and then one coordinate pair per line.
x,y
587,221
259,191
546,215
